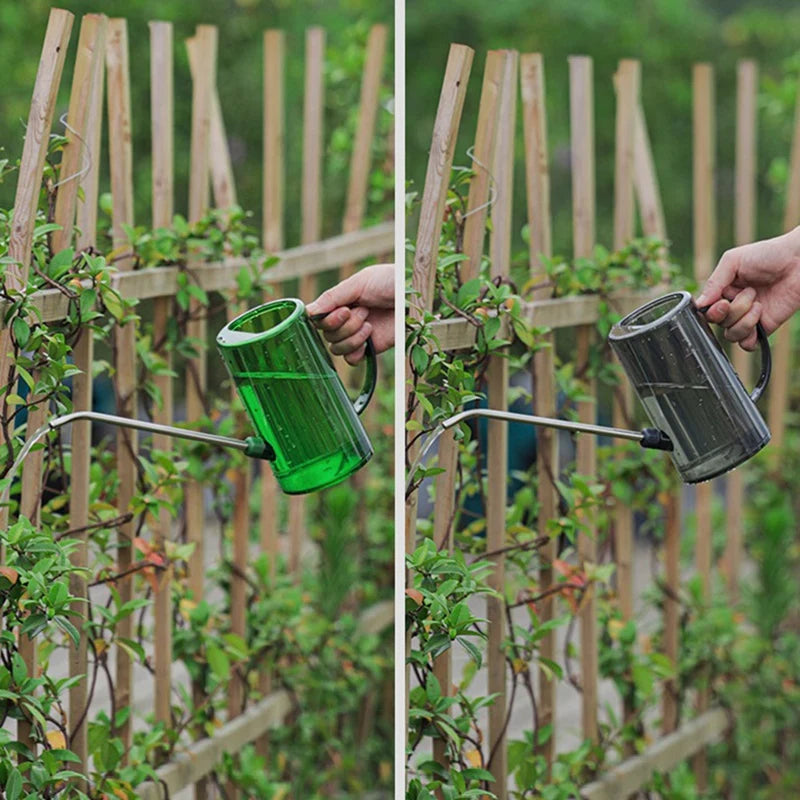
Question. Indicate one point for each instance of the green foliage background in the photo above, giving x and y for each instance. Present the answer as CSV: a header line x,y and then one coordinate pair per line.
x,y
240,70
668,36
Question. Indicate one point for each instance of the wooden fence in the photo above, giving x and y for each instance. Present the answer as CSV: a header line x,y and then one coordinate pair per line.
x,y
506,76
102,56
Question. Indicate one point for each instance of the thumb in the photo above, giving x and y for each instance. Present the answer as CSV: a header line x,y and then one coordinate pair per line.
x,y
343,294
719,280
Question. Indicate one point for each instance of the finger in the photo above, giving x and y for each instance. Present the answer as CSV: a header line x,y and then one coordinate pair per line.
x,y
356,356
750,342
353,342
343,294
334,320
718,311
742,329
346,330
722,276
739,307
730,292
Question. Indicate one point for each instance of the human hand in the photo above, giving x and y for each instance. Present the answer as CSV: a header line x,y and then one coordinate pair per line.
x,y
752,283
357,308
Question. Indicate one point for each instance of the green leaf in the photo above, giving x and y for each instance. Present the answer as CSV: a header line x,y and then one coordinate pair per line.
x,y
14,784
21,331
219,662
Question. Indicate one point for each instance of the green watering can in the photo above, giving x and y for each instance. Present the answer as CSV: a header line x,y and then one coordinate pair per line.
x,y
307,426
294,397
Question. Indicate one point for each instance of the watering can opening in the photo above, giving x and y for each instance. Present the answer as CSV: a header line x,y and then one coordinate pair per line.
x,y
650,315
261,323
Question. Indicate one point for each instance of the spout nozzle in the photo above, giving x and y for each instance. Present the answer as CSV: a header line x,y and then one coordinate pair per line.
x,y
258,448
655,439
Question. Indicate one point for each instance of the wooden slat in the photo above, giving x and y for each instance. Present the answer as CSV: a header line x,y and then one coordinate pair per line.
x,y
704,251
200,758
744,231
627,85
40,118
672,577
34,150
272,240
85,118
482,155
437,178
704,259
220,276
497,374
627,81
558,313
537,183
782,340
162,121
434,196
203,87
662,756
361,157
89,54
311,225
583,227
648,195
202,93
121,169
224,192
443,536
537,175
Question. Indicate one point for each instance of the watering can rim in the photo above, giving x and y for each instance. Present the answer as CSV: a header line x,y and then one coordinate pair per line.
x,y
624,330
229,337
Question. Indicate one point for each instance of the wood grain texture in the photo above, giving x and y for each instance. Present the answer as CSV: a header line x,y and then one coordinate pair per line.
x,y
537,171
121,170
484,182
537,185
272,241
437,177
744,219
203,87
40,118
202,93
661,756
627,86
583,237
34,151
703,172
434,196
502,167
85,118
162,100
361,158
648,195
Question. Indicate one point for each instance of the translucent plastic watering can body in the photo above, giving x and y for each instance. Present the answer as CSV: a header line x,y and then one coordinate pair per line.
x,y
689,388
293,395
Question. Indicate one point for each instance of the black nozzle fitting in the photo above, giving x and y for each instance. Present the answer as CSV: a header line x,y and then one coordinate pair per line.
x,y
656,439
258,448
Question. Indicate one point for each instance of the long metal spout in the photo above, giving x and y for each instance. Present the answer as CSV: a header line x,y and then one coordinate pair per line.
x,y
253,446
649,437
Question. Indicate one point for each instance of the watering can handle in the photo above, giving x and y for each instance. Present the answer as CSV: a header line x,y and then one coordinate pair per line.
x,y
766,359
370,378
766,363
